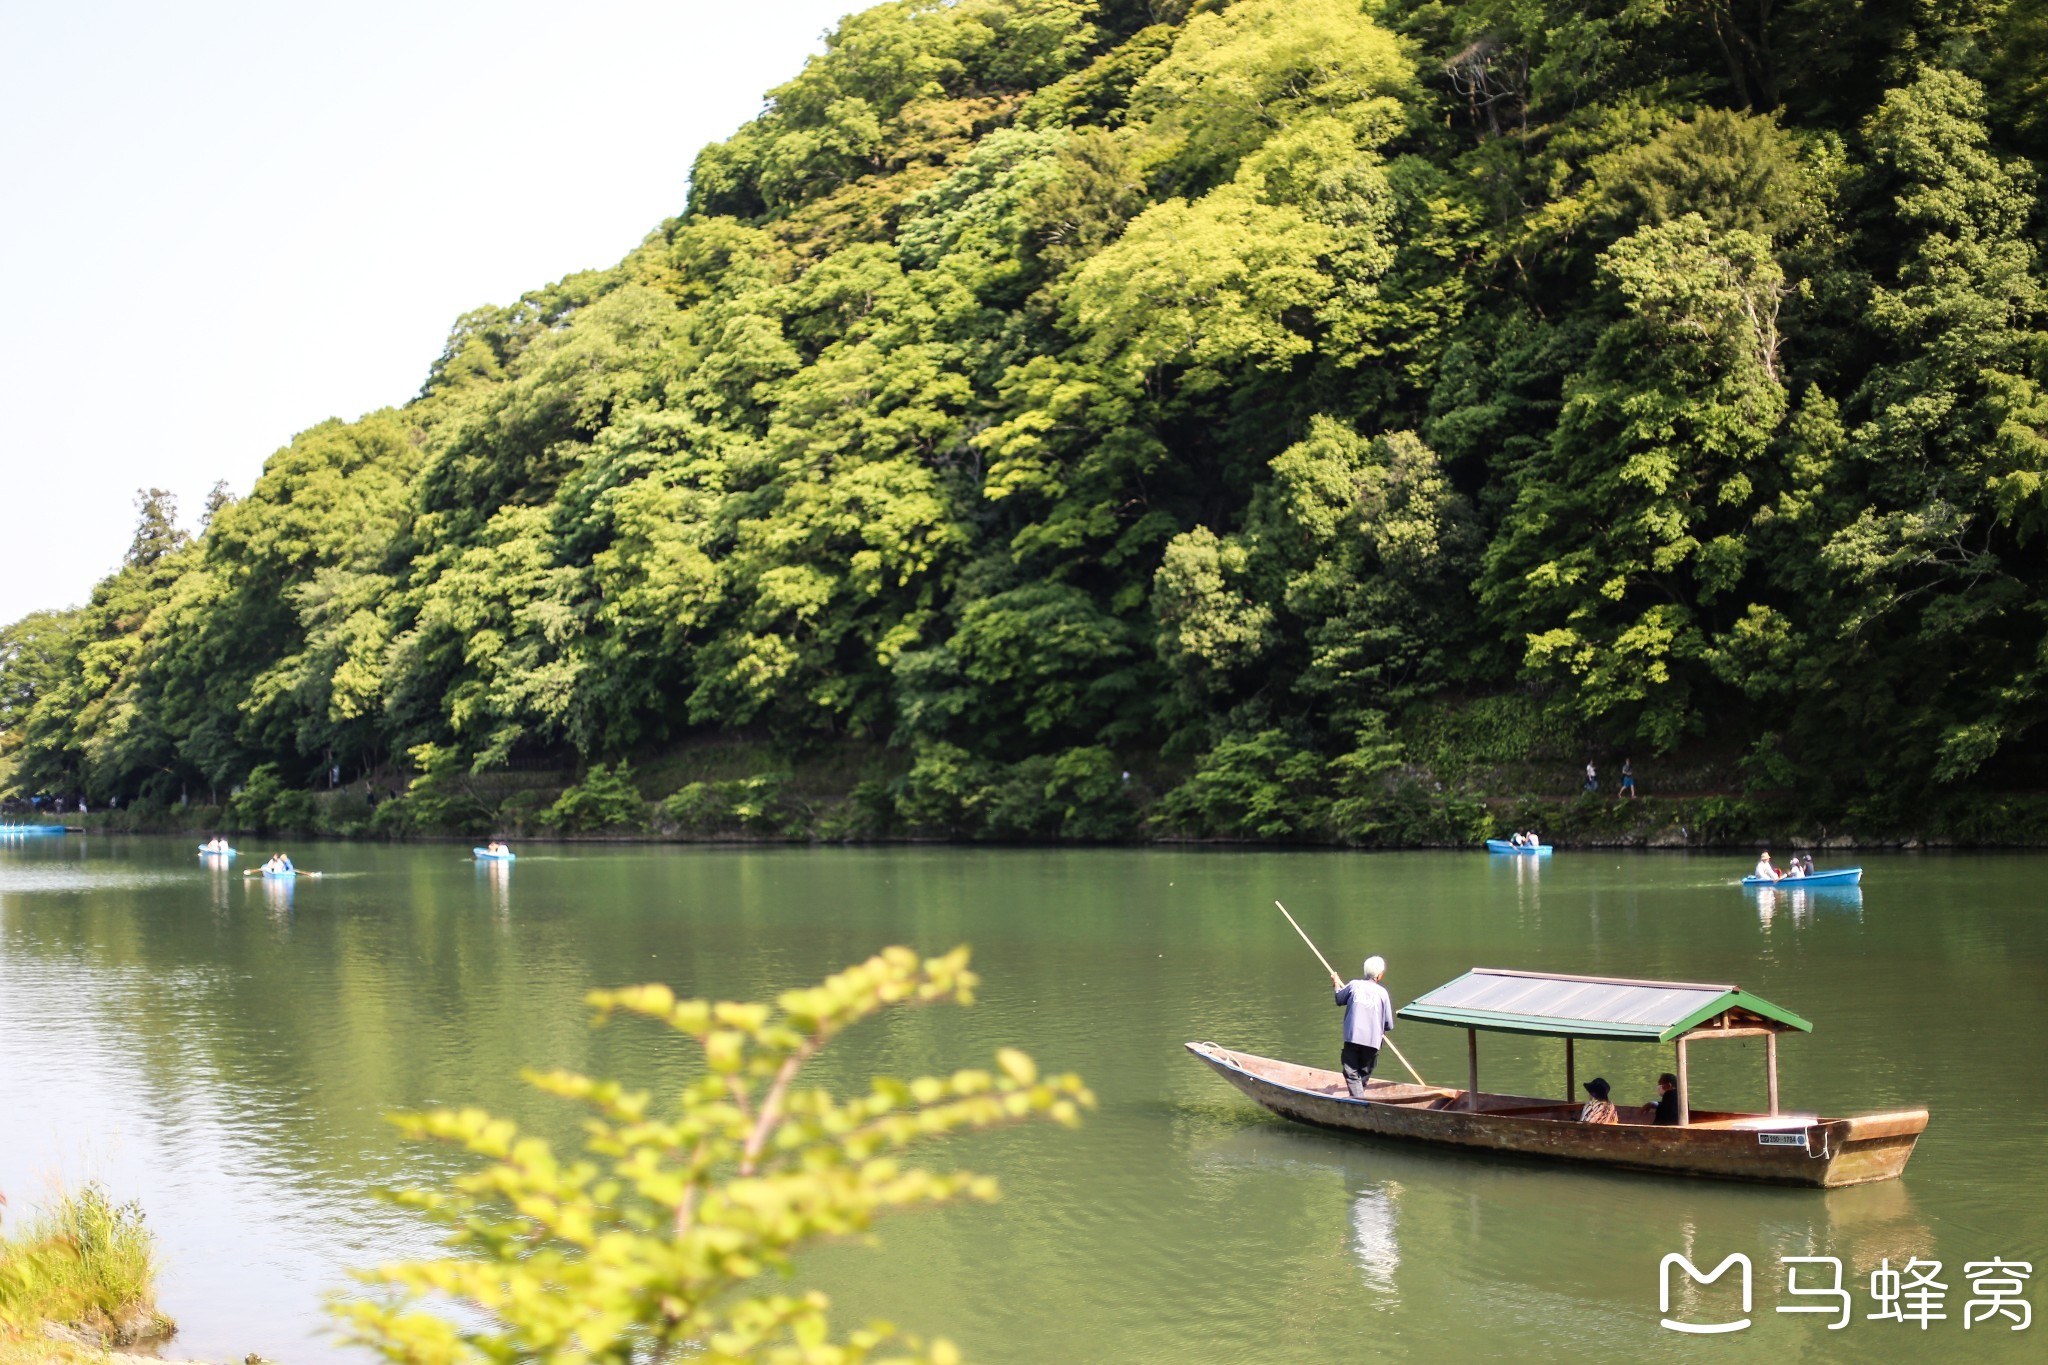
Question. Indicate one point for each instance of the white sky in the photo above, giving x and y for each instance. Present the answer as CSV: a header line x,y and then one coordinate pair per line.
x,y
222,222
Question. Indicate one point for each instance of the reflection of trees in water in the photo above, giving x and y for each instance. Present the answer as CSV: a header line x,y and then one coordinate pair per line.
x,y
1372,1236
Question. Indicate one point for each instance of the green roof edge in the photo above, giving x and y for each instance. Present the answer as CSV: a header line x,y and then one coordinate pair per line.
x,y
1735,999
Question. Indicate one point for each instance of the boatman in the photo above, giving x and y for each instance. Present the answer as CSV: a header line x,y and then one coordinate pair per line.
x,y
1368,1019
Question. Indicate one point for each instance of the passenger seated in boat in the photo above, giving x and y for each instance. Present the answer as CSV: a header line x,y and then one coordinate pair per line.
x,y
1764,871
1806,859
497,846
1519,840
1599,1109
1664,1109
1793,871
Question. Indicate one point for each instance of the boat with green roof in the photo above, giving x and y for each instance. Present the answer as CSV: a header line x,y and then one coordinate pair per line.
x,y
1778,1146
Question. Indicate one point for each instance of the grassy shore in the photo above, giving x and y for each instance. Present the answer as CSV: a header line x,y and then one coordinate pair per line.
x,y
76,1277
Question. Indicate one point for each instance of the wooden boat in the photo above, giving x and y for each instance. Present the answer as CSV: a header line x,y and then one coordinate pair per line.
x,y
1778,1147
1503,846
1840,876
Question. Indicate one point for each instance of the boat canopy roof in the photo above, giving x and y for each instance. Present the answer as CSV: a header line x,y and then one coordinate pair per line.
x,y
1594,1006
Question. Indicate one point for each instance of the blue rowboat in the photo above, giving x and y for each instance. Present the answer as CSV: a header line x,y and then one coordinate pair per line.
x,y
275,875
206,852
1503,846
30,829
1841,876
486,856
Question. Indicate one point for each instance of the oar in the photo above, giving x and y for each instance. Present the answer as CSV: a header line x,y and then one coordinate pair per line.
x,y
1333,971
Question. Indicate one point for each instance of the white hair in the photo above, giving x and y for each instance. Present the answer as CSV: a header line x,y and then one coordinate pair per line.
x,y
1375,968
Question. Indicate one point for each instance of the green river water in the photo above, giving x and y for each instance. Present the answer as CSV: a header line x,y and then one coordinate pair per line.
x,y
224,1051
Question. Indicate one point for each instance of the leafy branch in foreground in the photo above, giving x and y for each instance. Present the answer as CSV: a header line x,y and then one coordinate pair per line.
x,y
638,1250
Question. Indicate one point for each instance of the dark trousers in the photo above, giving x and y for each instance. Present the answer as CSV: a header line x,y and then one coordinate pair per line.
x,y
1358,1062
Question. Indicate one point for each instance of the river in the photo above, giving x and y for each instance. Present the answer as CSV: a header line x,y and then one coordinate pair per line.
x,y
224,1051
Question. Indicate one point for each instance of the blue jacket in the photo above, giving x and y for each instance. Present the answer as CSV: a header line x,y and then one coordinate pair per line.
x,y
1368,1012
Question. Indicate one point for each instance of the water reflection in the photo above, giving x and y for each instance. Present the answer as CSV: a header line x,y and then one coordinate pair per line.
x,y
498,873
1799,904
1372,1236
221,876
277,896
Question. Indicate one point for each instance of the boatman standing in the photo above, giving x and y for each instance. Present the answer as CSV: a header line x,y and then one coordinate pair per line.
x,y
1368,1019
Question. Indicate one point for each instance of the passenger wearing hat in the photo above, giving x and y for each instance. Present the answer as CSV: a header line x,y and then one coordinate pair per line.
x,y
1368,1019
1600,1109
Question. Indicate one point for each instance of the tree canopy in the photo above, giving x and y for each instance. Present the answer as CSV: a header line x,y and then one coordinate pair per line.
x,y
1041,382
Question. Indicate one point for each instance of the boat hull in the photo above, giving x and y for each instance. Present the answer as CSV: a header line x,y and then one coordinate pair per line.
x,y
29,831
1841,876
1503,846
1785,1149
484,855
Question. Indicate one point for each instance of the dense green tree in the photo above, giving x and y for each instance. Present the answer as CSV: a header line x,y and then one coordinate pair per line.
x,y
1039,389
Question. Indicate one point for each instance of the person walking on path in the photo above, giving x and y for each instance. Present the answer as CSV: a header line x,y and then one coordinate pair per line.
x,y
1628,779
1368,1019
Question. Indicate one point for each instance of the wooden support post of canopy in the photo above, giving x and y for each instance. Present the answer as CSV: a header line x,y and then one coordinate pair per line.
x,y
1472,1065
1571,1072
1684,1095
1771,1062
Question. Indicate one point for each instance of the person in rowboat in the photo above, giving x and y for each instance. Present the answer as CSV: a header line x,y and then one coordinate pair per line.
x,y
1368,1019
1764,871
1793,871
1599,1109
1806,860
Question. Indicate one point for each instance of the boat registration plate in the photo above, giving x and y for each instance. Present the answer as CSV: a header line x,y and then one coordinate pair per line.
x,y
1781,1139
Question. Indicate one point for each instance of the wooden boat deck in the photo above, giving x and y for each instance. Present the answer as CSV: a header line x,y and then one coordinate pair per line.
x,y
1785,1148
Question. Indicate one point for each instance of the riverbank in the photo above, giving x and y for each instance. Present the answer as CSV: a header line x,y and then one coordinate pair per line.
x,y
768,811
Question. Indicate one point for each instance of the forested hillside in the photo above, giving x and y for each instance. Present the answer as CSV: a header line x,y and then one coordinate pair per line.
x,y
1252,393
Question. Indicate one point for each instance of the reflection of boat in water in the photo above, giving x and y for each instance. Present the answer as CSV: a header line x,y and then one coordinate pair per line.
x,y
277,893
1773,1147
1801,903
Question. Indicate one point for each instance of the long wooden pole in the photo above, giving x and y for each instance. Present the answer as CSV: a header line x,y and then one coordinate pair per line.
x,y
1333,971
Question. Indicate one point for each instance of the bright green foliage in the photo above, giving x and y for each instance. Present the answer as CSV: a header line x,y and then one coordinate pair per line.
x,y
650,1244
605,799
1144,379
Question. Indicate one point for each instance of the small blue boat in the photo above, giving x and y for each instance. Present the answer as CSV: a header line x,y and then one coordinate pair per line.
x,y
1841,876
1503,846
24,830
484,855
206,852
